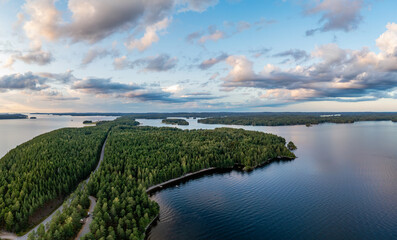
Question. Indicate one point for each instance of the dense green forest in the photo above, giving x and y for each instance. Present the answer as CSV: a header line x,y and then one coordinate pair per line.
x,y
13,116
175,121
135,158
67,224
280,119
138,157
47,167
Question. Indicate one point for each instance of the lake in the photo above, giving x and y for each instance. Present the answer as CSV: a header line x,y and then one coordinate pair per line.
x,y
343,185
17,131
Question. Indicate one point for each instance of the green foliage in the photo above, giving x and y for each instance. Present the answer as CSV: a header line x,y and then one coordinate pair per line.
x,y
281,119
175,121
40,170
138,157
65,225
135,159
291,146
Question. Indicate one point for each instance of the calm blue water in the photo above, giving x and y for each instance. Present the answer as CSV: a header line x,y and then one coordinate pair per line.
x,y
14,132
342,186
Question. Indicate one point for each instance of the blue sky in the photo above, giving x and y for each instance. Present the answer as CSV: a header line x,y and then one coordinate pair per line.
x,y
198,55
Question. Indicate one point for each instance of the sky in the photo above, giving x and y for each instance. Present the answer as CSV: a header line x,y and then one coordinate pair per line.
x,y
197,55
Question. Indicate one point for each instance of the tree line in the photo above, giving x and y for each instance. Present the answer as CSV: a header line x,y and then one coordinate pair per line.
x,y
282,119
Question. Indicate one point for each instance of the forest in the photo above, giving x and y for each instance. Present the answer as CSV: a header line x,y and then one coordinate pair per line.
x,y
173,121
47,167
282,119
139,157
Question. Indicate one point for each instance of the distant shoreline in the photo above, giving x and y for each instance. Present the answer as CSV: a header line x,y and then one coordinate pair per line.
x,y
13,116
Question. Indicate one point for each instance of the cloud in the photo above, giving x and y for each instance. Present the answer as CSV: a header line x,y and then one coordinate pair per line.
x,y
38,57
102,86
27,81
344,15
43,22
96,53
34,81
173,89
336,73
206,64
387,42
198,5
231,29
149,37
296,54
94,20
159,63
164,97
213,35
200,37
260,52
54,95
192,37
64,78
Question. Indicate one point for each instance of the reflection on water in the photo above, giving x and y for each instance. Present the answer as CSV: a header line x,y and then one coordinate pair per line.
x,y
342,186
14,132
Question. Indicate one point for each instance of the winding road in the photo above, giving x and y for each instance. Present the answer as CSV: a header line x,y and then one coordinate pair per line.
x,y
13,236
86,227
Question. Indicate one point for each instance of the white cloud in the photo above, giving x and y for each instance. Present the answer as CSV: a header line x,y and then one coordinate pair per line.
x,y
336,73
149,37
173,89
43,22
387,42
94,20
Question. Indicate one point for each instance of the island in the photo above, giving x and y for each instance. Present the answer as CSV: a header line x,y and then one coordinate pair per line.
x,y
136,159
87,122
291,146
33,117
175,121
13,116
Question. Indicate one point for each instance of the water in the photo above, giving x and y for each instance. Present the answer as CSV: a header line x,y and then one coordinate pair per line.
x,y
14,132
342,186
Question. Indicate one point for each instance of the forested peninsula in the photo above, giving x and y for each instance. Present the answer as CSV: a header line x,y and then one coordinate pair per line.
x,y
136,157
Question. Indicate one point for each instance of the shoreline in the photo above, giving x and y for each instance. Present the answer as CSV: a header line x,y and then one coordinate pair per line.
x,y
193,175
200,173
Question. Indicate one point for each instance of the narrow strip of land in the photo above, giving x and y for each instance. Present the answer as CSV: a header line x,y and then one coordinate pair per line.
x,y
176,180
